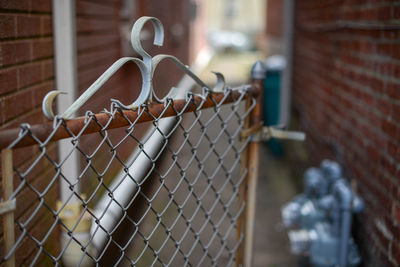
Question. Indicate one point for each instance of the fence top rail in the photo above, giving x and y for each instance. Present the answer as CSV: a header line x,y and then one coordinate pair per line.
x,y
16,137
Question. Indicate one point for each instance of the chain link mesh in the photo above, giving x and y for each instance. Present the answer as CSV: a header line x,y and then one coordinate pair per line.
x,y
124,199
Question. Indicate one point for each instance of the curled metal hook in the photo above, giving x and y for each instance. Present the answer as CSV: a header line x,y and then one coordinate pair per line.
x,y
220,86
157,59
47,104
135,37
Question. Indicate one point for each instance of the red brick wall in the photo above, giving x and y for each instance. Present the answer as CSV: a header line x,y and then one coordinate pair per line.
x,y
271,43
26,75
26,63
274,19
347,94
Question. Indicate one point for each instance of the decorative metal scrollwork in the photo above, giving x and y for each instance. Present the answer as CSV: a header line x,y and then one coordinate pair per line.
x,y
147,66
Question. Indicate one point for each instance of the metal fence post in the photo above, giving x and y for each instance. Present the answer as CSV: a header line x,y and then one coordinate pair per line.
x,y
257,76
8,219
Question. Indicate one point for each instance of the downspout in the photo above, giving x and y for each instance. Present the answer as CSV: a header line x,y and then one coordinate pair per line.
x,y
66,80
107,211
344,194
288,33
69,207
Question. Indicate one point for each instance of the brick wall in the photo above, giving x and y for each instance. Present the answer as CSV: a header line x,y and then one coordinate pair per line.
x,y
26,75
26,63
272,43
347,94
274,20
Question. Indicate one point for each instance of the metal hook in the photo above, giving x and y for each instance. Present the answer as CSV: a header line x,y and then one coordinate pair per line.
x,y
220,86
47,104
135,37
157,59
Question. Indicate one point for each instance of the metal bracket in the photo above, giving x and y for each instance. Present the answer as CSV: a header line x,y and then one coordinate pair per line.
x,y
259,133
8,206
147,66
252,130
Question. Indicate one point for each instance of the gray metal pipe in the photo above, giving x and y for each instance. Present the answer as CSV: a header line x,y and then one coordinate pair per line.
x,y
336,218
344,194
312,180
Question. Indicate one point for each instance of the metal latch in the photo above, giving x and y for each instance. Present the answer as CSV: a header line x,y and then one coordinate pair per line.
x,y
260,133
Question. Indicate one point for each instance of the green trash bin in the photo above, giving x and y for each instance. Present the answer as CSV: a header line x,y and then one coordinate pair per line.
x,y
272,98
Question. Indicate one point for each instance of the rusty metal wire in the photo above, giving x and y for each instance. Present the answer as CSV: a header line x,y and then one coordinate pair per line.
x,y
183,210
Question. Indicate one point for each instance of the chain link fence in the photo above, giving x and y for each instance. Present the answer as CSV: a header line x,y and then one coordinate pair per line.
x,y
171,197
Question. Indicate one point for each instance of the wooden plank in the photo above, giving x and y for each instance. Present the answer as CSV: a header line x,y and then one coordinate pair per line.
x,y
8,220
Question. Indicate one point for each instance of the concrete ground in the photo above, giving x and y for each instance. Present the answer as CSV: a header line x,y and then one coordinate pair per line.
x,y
275,188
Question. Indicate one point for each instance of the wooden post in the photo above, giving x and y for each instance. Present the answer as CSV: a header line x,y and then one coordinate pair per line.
x,y
242,191
8,217
257,75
